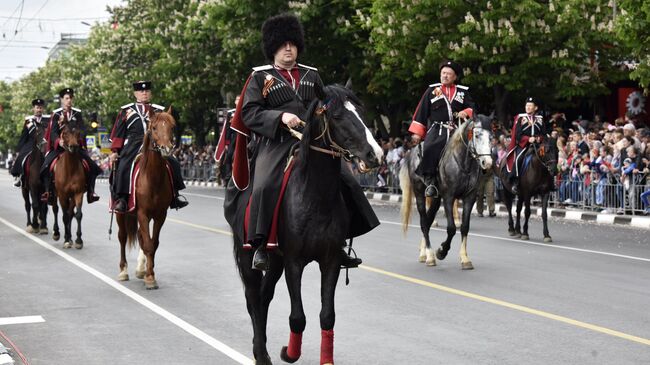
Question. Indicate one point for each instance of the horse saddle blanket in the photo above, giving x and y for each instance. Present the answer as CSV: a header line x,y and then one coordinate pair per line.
x,y
135,170
83,162
272,241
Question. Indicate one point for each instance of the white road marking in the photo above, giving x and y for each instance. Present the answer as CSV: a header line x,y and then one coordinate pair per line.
x,y
532,243
211,341
21,320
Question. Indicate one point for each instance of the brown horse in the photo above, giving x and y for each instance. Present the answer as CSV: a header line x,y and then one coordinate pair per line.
x,y
153,194
33,187
70,183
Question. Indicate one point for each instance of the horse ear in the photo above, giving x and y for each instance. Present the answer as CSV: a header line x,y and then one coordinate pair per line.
x,y
348,84
169,110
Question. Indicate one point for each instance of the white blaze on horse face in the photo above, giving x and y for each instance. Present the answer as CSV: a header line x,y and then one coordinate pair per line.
x,y
483,148
371,141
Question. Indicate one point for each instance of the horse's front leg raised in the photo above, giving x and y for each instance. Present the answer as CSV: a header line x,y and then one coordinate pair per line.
x,y
547,236
329,277
465,262
78,243
293,273
149,250
441,253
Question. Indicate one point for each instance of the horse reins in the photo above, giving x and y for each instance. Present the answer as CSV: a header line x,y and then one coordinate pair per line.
x,y
334,149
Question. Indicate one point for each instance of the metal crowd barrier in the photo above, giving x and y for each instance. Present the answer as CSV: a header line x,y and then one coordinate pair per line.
x,y
205,172
604,194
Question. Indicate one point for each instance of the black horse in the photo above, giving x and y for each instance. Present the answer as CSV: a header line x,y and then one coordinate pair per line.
x,y
33,188
314,220
536,180
466,154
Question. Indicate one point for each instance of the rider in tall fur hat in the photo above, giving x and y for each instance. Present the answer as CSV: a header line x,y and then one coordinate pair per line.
x,y
280,29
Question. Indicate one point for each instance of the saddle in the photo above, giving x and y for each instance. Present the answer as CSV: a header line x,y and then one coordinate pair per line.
x,y
131,202
83,162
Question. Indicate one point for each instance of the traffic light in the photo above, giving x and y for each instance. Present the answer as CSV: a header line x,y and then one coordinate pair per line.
x,y
93,122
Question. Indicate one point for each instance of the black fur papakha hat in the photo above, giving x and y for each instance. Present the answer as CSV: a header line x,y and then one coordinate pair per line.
x,y
279,29
454,66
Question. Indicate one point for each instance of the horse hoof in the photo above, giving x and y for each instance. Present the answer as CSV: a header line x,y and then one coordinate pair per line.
x,y
440,255
422,258
151,285
548,239
431,263
525,237
56,236
43,231
466,265
285,357
512,233
123,277
29,229
67,244
139,274
79,244
265,361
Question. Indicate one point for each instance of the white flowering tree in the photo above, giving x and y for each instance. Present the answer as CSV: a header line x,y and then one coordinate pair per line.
x,y
633,25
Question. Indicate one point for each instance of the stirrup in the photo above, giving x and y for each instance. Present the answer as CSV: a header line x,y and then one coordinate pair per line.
x,y
349,262
178,203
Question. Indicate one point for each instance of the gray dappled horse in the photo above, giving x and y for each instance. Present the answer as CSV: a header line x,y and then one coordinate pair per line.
x,y
467,153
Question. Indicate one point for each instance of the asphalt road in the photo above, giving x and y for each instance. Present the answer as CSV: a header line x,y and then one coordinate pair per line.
x,y
584,299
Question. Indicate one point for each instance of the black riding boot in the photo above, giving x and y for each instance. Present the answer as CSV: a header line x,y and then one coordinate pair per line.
x,y
121,204
349,261
261,257
17,181
432,188
90,194
514,183
178,203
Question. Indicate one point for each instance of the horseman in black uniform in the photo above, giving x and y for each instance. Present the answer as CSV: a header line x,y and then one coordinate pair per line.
x,y
60,116
528,128
276,97
126,141
434,117
24,148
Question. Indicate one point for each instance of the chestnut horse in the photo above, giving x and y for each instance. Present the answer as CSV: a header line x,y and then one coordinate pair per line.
x,y
70,183
153,194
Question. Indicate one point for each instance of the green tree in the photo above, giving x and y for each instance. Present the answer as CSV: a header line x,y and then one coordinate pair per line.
x,y
633,28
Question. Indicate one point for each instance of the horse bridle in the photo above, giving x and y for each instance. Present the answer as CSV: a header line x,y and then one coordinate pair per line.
x,y
471,144
155,146
548,163
333,149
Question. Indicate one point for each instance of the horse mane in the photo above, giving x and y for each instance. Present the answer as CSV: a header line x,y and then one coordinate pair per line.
x,y
457,137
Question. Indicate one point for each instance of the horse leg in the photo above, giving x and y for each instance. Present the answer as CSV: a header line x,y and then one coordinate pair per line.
x,y
28,210
441,253
426,254
428,221
158,222
465,262
297,321
456,214
78,243
67,218
517,225
524,233
507,198
55,227
547,236
42,214
147,246
36,209
266,291
329,277
122,237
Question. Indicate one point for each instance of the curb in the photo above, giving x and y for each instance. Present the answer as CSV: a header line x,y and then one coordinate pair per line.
x,y
575,215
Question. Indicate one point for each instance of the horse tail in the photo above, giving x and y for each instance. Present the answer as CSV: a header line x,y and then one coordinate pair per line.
x,y
407,196
131,230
